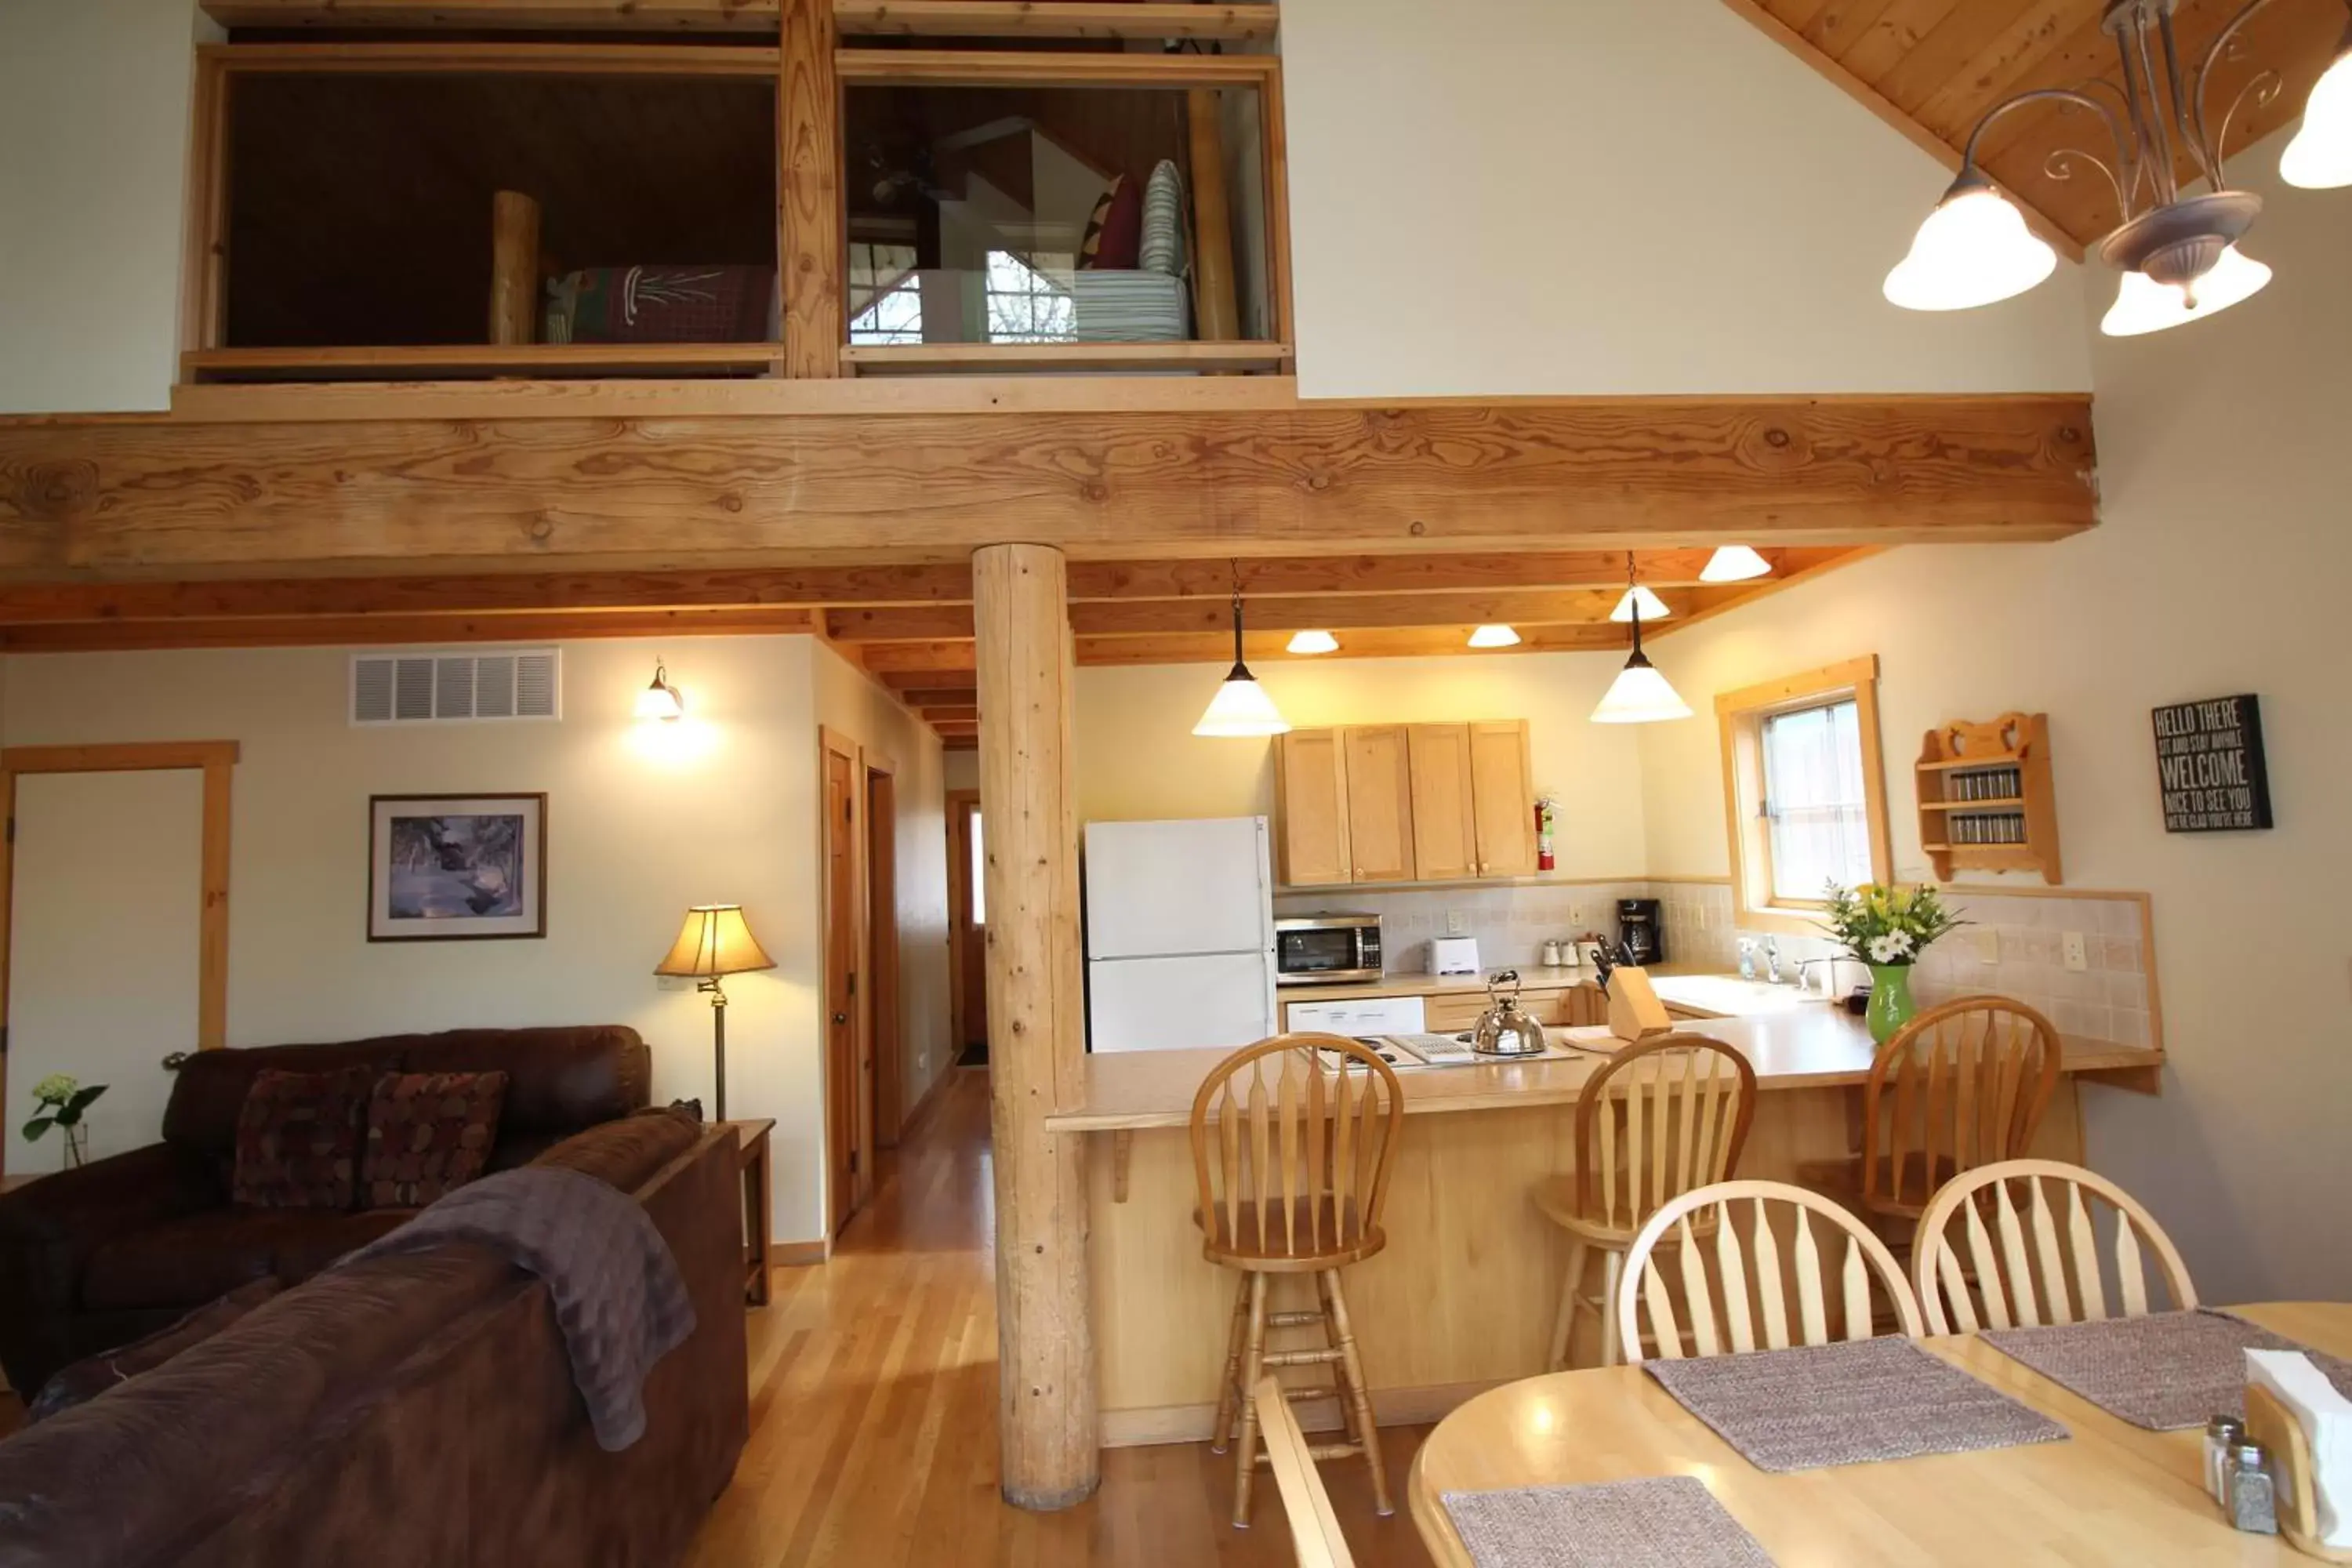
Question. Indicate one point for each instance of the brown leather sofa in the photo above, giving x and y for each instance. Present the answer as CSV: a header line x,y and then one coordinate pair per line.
x,y
95,1257
415,1409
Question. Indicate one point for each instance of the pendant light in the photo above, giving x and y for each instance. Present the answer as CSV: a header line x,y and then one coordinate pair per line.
x,y
1734,563
1637,602
2320,156
1973,249
1241,707
2143,305
1314,642
1639,695
1493,637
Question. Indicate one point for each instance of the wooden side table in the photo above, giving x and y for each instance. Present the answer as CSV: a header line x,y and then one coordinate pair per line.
x,y
751,1155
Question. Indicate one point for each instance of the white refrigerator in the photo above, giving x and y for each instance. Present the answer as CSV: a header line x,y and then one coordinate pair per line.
x,y
1180,934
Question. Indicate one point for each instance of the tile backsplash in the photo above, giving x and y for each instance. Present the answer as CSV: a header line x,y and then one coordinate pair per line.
x,y
2108,999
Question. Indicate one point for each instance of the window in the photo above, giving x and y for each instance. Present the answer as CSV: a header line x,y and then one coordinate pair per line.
x,y
978,873
1025,304
886,294
1805,791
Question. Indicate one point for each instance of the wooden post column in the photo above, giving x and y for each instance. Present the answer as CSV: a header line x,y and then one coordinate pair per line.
x,y
1047,1421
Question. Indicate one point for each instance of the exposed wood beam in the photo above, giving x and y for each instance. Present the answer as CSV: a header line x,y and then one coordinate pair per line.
x,y
1145,19
930,682
630,16
922,658
156,498
958,731
958,742
809,239
1918,135
942,696
1416,642
969,714
1396,575
321,631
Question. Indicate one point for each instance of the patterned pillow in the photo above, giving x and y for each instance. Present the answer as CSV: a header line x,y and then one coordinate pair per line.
x,y
1163,222
298,1139
1115,232
428,1134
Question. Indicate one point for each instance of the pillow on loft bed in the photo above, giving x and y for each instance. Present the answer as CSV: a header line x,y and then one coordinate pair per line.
x,y
714,304
1115,231
1162,247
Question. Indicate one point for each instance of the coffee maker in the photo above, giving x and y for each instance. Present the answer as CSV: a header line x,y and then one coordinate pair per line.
x,y
1641,930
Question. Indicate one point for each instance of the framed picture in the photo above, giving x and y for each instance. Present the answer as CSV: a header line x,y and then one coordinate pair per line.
x,y
457,867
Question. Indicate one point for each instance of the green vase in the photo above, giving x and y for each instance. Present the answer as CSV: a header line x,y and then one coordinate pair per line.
x,y
1890,1000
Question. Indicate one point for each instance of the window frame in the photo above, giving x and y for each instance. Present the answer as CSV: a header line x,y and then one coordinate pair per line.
x,y
1740,718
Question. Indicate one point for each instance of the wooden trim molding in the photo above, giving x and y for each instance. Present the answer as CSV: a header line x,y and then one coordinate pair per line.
x,y
625,16
1148,20
1739,719
217,759
1004,67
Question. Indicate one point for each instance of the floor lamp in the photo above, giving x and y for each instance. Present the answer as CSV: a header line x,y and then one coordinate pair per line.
x,y
715,944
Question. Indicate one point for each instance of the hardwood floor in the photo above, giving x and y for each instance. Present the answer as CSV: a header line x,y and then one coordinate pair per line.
x,y
873,1411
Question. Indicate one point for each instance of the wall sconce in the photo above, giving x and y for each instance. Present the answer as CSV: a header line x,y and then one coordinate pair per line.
x,y
661,700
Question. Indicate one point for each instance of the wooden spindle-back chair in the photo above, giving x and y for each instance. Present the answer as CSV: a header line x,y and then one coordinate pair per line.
x,y
2046,1266
1656,1120
1750,1286
1292,1141
1960,1086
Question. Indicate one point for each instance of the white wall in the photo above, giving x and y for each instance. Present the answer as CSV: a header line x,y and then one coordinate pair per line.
x,y
1527,196
2221,567
94,100
643,821
1136,758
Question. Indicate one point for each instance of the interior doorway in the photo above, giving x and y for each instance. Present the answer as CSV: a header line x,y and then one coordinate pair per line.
x,y
967,927
847,1063
888,1050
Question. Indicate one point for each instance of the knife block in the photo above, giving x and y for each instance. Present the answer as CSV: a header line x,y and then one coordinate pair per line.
x,y
1634,1011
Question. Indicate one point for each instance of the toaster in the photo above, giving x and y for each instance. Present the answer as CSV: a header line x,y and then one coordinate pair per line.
x,y
1453,955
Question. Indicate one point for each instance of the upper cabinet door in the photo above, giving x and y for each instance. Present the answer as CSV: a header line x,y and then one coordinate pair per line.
x,y
1445,836
1503,798
1380,804
1310,773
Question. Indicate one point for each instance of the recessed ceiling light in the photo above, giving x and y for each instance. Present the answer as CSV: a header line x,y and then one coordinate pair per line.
x,y
1493,637
1314,642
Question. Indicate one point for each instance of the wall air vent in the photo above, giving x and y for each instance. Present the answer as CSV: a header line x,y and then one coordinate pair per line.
x,y
457,687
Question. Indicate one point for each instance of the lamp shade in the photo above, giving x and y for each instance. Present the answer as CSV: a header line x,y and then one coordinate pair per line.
x,y
2320,156
1653,608
1312,642
714,941
1493,637
1973,249
1733,563
1640,695
2143,305
661,700
1240,708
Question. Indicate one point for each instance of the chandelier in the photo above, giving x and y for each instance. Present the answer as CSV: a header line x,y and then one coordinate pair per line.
x,y
2176,250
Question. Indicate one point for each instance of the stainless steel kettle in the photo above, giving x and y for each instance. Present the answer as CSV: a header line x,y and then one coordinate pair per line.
x,y
1503,1030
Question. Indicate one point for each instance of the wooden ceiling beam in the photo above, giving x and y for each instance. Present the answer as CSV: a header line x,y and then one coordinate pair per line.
x,y
929,682
950,715
1122,580
925,660
1409,642
567,16
372,631
940,697
159,497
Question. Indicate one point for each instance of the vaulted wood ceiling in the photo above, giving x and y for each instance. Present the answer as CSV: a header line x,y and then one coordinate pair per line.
x,y
1932,67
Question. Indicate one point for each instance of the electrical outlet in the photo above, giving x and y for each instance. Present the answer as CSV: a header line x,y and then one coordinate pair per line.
x,y
1701,909
1988,946
2077,958
1457,922
1576,916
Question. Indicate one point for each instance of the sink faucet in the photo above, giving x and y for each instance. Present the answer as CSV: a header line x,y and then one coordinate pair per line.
x,y
1772,959
1829,986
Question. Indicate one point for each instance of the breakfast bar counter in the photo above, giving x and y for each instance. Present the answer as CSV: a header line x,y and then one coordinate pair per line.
x,y
1463,1297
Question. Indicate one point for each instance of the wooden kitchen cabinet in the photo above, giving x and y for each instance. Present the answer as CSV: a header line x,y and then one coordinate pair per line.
x,y
1380,802
1445,833
1310,785
1502,797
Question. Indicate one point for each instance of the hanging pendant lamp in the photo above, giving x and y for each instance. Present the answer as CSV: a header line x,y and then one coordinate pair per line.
x,y
1241,707
1639,695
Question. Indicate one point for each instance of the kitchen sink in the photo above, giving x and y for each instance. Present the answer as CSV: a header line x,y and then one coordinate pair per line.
x,y
1729,994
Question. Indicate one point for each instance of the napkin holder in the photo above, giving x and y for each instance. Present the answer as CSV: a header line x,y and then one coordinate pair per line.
x,y
2270,1423
1634,1011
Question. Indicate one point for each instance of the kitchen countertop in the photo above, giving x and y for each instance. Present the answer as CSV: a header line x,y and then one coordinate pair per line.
x,y
1687,988
1799,1047
1533,978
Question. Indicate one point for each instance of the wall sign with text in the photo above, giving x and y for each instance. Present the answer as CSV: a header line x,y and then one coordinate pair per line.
x,y
2209,766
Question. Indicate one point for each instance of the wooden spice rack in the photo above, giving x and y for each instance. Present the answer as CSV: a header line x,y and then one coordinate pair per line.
x,y
1985,802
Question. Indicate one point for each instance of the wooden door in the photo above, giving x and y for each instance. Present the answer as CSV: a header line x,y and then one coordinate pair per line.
x,y
843,954
1380,804
1503,798
1444,838
967,924
1311,772
885,1045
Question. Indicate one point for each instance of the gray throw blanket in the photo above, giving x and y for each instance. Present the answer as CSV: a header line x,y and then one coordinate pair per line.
x,y
620,1299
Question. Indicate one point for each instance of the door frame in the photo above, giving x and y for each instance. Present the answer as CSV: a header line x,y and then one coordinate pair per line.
x,y
885,1027
960,804
856,1159
217,759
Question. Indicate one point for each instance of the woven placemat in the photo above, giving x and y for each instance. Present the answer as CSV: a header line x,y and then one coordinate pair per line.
x,y
1848,1404
2162,1371
1660,1521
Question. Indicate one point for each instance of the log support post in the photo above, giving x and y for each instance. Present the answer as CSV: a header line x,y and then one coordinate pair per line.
x,y
1047,1421
1217,318
514,268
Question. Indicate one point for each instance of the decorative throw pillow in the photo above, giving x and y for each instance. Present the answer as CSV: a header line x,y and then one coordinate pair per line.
x,y
428,1134
1115,232
93,1375
1162,248
298,1139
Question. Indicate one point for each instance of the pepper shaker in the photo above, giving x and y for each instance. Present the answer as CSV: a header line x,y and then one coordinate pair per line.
x,y
2223,1435
1552,957
2253,1500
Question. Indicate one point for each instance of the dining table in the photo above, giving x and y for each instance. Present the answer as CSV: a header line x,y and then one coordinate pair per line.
x,y
2112,1493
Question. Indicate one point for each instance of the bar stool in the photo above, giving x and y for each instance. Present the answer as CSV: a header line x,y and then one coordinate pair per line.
x,y
1659,1119
1292,1138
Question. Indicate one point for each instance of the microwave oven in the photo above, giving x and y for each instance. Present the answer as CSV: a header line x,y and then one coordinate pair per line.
x,y
1326,950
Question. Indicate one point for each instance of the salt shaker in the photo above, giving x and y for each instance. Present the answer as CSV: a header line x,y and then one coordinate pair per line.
x,y
2254,1502
1552,957
2223,1435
